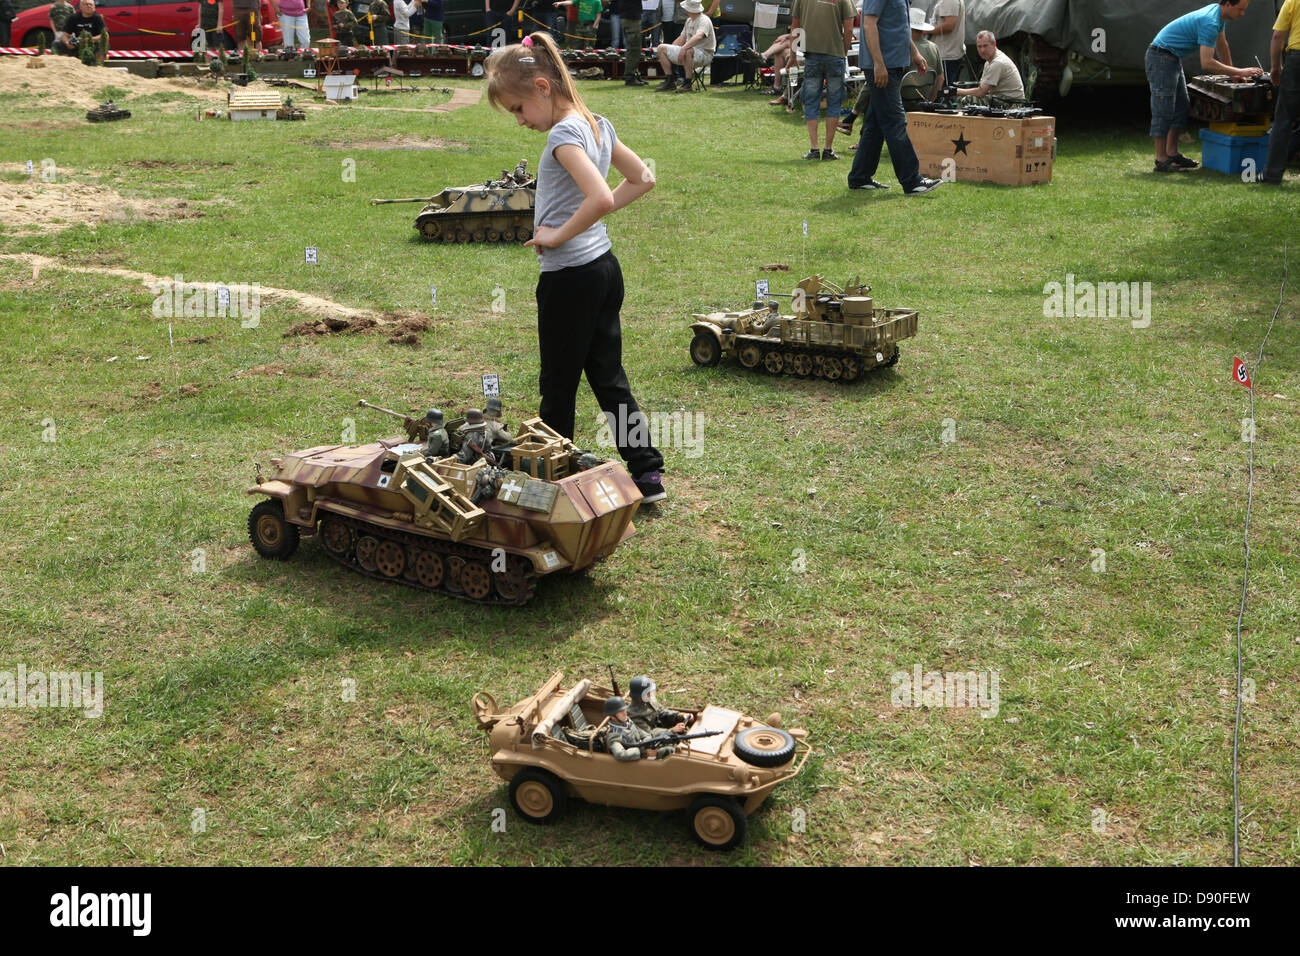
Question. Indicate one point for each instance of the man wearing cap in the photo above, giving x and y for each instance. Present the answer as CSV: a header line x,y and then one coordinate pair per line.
x,y
473,441
916,87
1000,77
622,733
497,433
1201,29
824,30
693,50
438,444
886,51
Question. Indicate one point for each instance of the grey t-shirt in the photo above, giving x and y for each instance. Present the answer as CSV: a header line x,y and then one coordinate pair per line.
x,y
558,196
952,45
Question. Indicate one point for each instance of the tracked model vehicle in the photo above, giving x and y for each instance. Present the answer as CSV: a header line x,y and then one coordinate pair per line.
x,y
835,334
107,113
478,532
499,210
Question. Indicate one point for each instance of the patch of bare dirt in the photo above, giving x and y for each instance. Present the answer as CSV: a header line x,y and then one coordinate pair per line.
x,y
396,142
276,368
400,329
66,81
37,207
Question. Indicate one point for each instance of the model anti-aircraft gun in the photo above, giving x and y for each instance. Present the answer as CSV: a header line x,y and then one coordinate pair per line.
x,y
416,429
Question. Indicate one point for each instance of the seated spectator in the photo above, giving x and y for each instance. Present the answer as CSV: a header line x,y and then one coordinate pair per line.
x,y
780,56
916,87
84,20
1000,79
693,50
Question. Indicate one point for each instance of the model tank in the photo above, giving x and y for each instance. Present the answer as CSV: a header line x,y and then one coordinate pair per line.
x,y
834,333
499,210
479,532
107,112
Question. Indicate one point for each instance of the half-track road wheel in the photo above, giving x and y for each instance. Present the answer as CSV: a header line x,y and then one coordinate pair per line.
x,y
428,569
336,537
480,235
366,549
832,368
802,364
705,350
716,822
525,233
750,355
764,746
538,796
517,581
850,368
476,580
773,362
271,534
493,235
430,228
390,559
462,235
508,234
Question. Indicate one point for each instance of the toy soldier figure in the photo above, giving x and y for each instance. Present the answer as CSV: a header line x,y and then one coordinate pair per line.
x,y
521,172
497,433
438,445
648,714
378,16
345,27
473,442
622,732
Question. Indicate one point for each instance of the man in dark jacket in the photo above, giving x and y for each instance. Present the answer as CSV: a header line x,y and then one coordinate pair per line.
x,y
630,13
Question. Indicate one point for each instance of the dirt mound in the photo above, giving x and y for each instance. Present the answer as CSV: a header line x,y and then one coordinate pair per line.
x,y
66,81
36,207
400,329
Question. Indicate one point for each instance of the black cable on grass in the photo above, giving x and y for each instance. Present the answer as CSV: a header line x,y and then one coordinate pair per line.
x,y
1245,576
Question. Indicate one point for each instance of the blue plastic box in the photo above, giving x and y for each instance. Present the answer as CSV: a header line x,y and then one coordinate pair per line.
x,y
1228,153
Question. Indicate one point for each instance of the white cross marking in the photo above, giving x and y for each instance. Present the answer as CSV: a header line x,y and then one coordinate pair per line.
x,y
513,487
607,495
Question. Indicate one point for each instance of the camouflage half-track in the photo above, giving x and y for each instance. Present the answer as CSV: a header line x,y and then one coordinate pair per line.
x,y
836,334
499,210
107,113
480,532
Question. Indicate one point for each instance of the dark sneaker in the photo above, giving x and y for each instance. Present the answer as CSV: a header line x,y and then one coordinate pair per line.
x,y
869,184
830,154
1182,162
669,84
923,185
651,487
813,154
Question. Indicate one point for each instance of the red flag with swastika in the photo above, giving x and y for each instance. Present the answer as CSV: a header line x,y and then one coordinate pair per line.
x,y
1240,374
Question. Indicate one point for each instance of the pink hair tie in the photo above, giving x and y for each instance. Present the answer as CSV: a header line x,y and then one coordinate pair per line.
x,y
526,41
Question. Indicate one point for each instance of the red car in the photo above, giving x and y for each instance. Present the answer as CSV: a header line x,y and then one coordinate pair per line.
x,y
141,24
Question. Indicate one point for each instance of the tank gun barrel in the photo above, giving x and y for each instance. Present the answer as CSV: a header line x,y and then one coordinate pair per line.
x,y
385,202
379,408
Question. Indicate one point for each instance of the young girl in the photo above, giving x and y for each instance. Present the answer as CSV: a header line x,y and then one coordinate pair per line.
x,y
580,290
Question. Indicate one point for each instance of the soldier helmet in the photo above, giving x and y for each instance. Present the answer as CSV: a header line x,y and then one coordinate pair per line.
x,y
642,688
493,408
614,705
473,419
433,415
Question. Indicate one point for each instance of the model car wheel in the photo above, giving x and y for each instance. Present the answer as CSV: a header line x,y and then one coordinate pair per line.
x,y
336,537
366,549
428,569
764,746
750,355
716,823
272,536
705,350
538,796
773,362
476,580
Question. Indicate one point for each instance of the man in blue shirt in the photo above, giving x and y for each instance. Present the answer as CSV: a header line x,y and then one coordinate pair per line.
x,y
1203,29
886,51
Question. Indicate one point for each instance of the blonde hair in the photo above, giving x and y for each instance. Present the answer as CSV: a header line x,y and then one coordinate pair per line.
x,y
513,68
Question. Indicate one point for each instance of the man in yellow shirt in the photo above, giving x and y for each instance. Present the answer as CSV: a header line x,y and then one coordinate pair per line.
x,y
1284,71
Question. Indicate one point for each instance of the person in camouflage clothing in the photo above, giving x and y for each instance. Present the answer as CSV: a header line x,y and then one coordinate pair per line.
x,y
648,714
621,732
345,27
438,445
60,13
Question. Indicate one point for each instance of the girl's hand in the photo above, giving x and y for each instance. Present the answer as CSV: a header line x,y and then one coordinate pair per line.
x,y
543,237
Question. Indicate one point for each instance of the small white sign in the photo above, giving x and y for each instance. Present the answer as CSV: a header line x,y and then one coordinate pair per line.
x,y
760,289
550,559
223,297
309,73
433,292
31,170
805,228
491,386
311,255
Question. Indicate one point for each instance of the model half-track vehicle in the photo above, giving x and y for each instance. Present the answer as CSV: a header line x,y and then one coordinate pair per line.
x,y
499,210
834,333
481,532
550,747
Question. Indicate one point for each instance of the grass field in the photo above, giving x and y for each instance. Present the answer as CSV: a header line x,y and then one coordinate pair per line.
x,y
948,513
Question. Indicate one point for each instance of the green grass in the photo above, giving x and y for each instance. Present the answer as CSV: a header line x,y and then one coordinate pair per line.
x,y
223,688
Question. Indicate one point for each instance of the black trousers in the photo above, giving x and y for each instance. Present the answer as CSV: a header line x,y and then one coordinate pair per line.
x,y
578,331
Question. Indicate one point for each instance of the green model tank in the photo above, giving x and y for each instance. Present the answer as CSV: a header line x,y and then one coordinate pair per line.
x,y
834,333
499,210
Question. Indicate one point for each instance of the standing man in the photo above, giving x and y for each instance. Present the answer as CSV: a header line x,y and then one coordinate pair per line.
x,y
824,29
246,24
500,13
650,21
1285,73
60,14
949,18
630,11
1203,28
1000,77
886,52
7,13
915,88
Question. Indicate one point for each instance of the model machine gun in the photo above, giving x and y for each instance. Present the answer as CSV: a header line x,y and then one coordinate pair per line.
x,y
664,740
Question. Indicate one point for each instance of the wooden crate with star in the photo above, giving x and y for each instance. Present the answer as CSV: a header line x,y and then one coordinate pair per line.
x,y
984,149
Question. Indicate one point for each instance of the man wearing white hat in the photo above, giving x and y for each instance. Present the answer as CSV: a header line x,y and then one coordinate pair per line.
x,y
693,50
